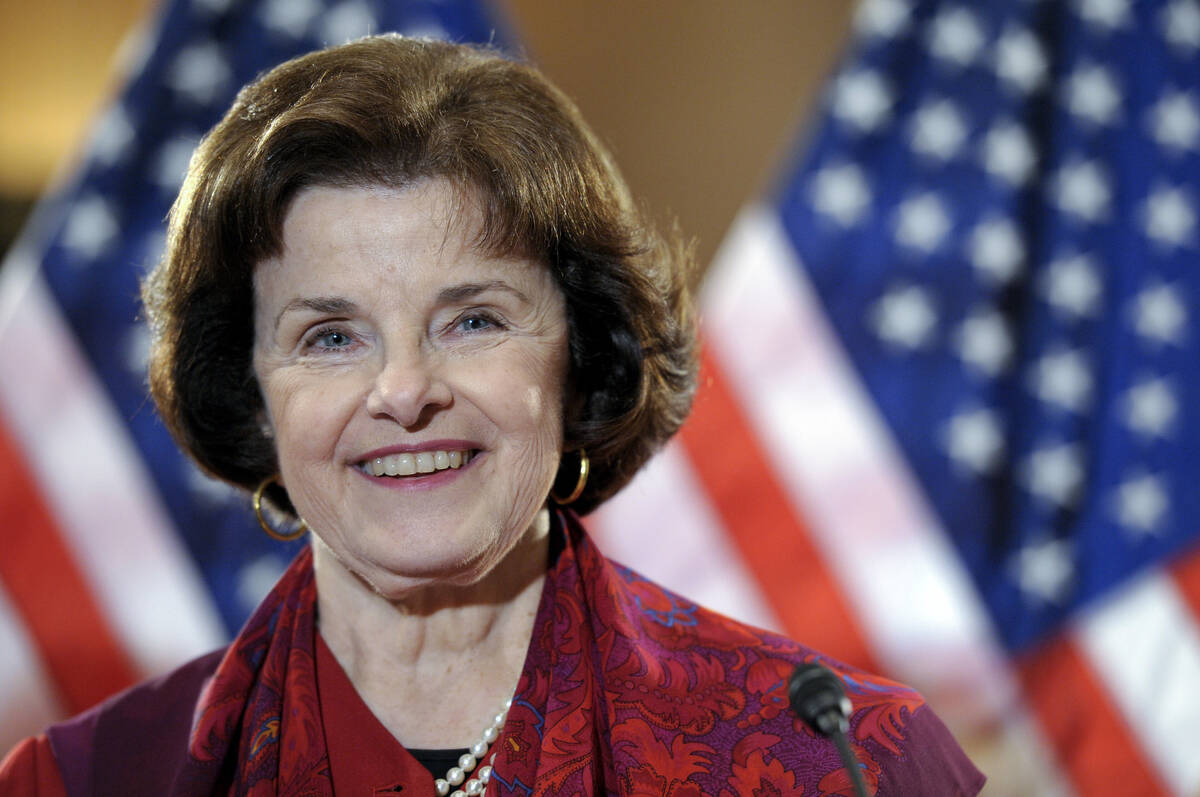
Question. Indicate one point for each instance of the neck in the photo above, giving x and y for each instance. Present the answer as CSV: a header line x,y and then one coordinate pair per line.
x,y
437,664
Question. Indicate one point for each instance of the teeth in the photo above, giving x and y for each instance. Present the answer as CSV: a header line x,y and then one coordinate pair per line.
x,y
423,462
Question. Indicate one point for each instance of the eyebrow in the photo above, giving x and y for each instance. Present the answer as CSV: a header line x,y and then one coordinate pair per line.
x,y
318,304
469,290
337,305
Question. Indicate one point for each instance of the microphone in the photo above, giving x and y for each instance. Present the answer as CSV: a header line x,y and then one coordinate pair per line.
x,y
817,697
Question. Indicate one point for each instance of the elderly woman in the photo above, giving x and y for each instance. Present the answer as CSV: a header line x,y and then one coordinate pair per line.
x,y
408,303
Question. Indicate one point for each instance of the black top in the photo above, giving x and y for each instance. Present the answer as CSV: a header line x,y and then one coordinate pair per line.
x,y
439,762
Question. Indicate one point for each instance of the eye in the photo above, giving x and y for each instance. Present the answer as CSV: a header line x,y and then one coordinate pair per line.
x,y
328,338
476,322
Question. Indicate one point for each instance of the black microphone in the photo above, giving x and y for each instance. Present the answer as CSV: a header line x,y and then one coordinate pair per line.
x,y
817,697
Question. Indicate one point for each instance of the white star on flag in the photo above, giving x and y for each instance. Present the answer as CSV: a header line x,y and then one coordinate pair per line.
x,y
1071,285
1082,189
984,342
882,18
841,192
1168,216
347,21
1045,570
1159,314
973,439
212,491
922,222
1091,94
137,349
1104,15
1020,61
956,37
1140,504
1150,407
171,162
1062,378
90,228
1181,24
1054,473
200,72
997,250
113,135
1008,154
905,317
290,17
427,29
1175,121
938,130
862,100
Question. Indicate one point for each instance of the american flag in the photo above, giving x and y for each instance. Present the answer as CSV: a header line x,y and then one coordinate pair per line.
x,y
943,430
120,558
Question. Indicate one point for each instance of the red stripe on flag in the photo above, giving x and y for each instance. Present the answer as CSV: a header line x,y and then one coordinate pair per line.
x,y
755,511
1187,579
1091,740
83,656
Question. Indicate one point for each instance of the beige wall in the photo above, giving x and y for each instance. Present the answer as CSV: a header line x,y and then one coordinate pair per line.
x,y
698,99
56,60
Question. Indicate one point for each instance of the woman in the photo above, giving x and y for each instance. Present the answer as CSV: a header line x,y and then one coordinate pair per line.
x,y
407,300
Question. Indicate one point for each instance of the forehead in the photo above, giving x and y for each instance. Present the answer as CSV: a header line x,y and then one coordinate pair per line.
x,y
433,213
373,237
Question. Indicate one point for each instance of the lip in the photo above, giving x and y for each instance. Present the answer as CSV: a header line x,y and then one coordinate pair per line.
x,y
416,448
423,481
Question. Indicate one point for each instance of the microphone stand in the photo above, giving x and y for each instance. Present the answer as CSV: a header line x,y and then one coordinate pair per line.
x,y
816,696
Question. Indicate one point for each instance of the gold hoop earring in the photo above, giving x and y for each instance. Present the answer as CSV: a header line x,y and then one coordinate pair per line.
x,y
300,530
585,467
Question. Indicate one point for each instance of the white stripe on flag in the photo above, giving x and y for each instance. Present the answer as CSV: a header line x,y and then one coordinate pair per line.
x,y
27,700
1144,644
95,482
663,526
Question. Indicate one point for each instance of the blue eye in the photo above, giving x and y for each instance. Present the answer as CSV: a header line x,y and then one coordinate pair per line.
x,y
476,323
329,338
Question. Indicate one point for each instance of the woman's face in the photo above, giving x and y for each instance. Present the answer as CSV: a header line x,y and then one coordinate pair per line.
x,y
385,342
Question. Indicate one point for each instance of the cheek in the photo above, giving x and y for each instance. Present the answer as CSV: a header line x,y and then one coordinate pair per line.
x,y
537,393
535,418
521,394
306,414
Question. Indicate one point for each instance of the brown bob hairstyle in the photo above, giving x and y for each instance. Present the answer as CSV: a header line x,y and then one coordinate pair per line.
x,y
388,111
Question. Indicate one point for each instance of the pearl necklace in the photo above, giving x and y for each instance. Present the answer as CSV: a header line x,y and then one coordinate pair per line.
x,y
468,760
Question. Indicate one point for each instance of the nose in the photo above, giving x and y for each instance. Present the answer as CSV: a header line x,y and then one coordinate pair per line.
x,y
409,387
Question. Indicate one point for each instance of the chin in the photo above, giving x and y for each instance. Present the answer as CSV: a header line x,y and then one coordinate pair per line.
x,y
395,577
398,563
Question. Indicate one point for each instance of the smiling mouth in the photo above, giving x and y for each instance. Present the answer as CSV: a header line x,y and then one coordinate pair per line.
x,y
417,464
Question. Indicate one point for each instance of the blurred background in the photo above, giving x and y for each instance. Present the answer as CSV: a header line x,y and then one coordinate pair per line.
x,y
699,104
950,253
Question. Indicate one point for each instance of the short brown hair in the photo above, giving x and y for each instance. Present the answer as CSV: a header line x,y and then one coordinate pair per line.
x,y
388,110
